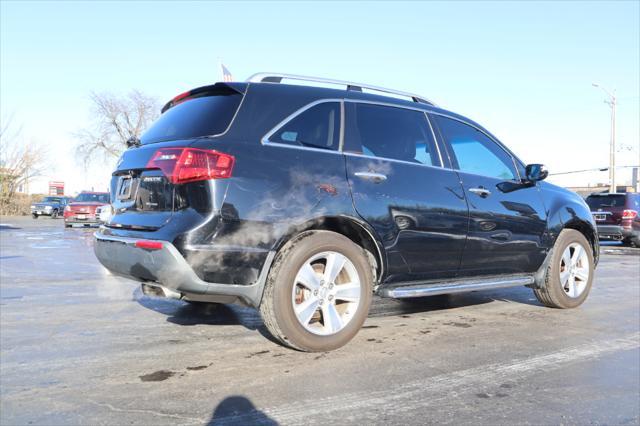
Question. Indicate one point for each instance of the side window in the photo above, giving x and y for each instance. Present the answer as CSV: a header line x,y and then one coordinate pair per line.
x,y
389,132
474,151
317,127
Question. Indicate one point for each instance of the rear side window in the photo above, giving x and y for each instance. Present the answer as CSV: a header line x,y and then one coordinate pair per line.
x,y
316,127
202,116
389,132
474,151
602,201
93,198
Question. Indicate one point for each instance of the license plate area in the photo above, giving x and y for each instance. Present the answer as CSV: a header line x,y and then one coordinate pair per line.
x,y
154,193
600,217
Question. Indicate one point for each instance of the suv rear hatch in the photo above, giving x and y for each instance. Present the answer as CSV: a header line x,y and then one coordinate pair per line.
x,y
158,176
607,209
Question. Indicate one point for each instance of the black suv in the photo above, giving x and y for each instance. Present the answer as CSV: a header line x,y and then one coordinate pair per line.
x,y
305,201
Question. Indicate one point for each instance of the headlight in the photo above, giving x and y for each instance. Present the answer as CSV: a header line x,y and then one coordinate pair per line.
x,y
67,209
47,207
33,207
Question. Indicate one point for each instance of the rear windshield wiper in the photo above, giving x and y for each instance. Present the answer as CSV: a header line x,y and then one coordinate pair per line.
x,y
133,141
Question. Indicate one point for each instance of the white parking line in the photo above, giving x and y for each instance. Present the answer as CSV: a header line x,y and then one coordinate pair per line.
x,y
412,395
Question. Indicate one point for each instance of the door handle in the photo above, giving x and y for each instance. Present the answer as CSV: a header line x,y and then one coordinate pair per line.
x,y
482,192
375,177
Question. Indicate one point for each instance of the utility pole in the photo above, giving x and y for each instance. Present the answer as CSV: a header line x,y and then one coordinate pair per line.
x,y
612,148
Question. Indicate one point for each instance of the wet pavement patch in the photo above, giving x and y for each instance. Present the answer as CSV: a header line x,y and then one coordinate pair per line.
x,y
157,376
458,324
251,355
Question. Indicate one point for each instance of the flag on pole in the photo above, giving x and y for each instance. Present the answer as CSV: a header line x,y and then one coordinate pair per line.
x,y
226,74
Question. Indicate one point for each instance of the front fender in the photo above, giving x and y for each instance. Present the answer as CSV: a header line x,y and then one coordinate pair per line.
x,y
567,210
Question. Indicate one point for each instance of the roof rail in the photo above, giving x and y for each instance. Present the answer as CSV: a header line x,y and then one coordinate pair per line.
x,y
268,77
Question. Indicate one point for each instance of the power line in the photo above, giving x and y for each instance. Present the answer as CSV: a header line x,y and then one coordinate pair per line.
x,y
599,169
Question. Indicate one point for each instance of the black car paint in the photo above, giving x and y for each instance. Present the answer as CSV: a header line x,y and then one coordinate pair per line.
x,y
227,227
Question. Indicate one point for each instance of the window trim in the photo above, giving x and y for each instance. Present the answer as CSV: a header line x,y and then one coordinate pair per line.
x,y
438,139
517,176
266,142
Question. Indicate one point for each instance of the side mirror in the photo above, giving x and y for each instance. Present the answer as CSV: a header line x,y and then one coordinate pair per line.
x,y
536,172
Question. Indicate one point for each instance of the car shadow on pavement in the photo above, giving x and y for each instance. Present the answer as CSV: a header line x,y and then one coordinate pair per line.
x,y
190,314
239,410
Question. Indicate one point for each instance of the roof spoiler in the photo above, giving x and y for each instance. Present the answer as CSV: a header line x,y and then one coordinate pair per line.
x,y
211,90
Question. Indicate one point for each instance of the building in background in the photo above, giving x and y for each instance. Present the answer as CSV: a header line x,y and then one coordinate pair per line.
x,y
56,188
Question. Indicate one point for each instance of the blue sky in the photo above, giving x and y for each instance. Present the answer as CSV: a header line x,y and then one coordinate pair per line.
x,y
522,69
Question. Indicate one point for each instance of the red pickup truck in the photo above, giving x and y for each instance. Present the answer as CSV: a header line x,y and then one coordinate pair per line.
x,y
82,209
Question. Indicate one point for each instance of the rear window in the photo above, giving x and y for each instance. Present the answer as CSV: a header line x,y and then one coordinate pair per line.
x,y
202,116
601,201
95,198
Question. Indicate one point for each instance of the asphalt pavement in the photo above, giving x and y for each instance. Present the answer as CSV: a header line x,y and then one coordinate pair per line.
x,y
80,346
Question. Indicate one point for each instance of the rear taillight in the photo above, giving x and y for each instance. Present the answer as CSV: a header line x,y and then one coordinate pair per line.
x,y
629,214
182,165
149,245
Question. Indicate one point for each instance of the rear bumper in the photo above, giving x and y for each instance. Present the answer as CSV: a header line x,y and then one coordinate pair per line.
x,y
76,218
41,212
614,232
168,268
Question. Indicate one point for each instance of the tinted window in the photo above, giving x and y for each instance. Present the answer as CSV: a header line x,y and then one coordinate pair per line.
x,y
600,201
51,200
203,116
474,151
96,198
317,127
395,133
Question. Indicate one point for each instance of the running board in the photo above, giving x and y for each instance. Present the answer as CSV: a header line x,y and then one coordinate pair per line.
x,y
432,289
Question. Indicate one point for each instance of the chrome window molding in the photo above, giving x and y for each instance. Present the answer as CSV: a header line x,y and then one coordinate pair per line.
x,y
265,139
435,140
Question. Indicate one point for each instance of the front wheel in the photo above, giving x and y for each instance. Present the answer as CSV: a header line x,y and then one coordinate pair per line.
x,y
569,274
33,215
318,292
54,214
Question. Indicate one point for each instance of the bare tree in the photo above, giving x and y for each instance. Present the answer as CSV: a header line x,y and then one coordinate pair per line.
x,y
115,119
20,161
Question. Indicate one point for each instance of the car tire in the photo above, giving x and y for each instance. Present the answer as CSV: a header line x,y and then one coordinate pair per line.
x,y
33,215
67,225
568,275
54,214
311,308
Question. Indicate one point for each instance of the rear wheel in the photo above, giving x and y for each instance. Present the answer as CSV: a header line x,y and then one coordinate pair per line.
x,y
318,292
569,275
